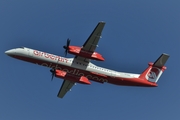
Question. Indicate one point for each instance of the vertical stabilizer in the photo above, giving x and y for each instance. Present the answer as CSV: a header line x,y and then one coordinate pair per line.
x,y
154,71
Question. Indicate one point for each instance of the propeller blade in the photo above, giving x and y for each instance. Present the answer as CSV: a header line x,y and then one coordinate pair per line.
x,y
65,53
68,42
53,73
64,47
53,70
67,46
52,77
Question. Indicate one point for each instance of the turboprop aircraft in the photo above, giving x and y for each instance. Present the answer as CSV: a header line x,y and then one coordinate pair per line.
x,y
80,69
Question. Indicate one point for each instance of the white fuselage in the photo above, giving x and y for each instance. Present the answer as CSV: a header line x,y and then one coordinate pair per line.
x,y
69,65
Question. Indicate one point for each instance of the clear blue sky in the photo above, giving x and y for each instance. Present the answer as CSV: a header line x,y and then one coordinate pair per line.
x,y
136,32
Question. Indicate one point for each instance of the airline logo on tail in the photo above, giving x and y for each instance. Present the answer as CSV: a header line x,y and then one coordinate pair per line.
x,y
155,70
153,74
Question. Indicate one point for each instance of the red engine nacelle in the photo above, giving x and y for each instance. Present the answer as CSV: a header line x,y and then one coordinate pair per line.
x,y
71,77
75,50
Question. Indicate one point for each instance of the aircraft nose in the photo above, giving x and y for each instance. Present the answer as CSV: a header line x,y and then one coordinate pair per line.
x,y
9,52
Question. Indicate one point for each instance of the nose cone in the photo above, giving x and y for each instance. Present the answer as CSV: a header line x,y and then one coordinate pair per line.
x,y
9,52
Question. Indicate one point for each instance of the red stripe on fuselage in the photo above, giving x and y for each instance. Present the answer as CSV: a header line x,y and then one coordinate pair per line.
x,y
91,76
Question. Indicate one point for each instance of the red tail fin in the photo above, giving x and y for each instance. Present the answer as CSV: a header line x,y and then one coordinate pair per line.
x,y
154,71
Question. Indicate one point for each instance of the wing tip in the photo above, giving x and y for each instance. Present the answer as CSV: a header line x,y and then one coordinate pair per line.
x,y
60,96
166,54
102,22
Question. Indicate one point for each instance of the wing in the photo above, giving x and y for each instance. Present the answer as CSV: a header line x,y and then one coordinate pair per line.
x,y
90,46
65,87
92,42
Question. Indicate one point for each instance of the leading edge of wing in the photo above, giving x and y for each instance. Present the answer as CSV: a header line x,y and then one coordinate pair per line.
x,y
65,87
93,39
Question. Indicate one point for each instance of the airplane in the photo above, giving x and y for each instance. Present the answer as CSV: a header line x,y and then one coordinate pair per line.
x,y
81,70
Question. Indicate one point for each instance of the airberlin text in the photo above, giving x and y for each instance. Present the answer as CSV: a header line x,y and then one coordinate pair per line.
x,y
76,72
50,56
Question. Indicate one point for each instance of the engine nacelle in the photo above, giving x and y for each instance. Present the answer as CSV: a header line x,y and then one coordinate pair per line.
x,y
71,77
75,50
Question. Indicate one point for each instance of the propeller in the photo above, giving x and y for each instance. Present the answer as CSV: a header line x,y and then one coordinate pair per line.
x,y
53,70
66,47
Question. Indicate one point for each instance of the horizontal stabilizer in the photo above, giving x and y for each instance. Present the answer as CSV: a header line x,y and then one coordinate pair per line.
x,y
160,62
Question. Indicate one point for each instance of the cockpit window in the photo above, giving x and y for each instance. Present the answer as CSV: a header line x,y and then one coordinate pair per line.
x,y
22,47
